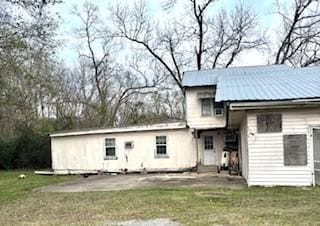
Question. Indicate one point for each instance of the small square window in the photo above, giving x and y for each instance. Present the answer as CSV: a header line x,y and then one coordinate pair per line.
x,y
218,111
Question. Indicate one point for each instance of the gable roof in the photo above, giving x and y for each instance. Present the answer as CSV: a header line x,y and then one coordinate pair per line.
x,y
262,83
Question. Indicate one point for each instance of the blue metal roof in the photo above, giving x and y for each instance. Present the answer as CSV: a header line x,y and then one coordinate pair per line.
x,y
292,83
199,78
210,76
257,83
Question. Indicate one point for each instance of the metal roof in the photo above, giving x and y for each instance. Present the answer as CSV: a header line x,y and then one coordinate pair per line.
x,y
209,77
258,83
200,78
123,129
274,84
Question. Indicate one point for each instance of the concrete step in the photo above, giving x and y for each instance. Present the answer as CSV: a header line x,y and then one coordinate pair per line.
x,y
207,169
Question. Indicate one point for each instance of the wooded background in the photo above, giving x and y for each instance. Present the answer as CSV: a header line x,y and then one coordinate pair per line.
x,y
39,94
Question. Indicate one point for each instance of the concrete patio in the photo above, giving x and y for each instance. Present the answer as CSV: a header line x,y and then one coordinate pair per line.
x,y
133,181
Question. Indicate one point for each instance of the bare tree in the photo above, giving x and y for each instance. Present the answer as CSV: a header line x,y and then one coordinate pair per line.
x,y
299,44
194,40
110,84
26,62
233,34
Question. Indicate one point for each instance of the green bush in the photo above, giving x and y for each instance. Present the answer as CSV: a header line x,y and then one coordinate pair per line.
x,y
28,149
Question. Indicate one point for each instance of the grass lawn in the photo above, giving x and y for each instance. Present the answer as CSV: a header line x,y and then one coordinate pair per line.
x,y
190,206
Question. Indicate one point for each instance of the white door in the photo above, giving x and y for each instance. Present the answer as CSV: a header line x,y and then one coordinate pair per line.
x,y
208,151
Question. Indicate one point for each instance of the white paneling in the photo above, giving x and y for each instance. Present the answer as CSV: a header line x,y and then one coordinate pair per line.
x,y
86,152
244,148
266,157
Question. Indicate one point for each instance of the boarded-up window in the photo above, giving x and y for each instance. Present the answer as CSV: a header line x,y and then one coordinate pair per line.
x,y
295,150
269,123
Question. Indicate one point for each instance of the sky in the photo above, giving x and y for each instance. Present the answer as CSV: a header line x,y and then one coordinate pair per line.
x,y
67,51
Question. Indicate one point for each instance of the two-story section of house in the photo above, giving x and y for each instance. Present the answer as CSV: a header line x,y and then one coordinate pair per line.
x,y
205,116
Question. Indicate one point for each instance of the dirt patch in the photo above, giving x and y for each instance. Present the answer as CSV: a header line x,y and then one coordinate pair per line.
x,y
152,222
211,194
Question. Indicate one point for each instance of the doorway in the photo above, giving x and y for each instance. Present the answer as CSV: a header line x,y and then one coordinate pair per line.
x,y
208,150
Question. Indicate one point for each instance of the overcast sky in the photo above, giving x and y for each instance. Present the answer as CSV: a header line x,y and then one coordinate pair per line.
x,y
67,51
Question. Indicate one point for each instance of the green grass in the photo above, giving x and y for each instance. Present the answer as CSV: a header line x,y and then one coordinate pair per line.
x,y
11,188
189,206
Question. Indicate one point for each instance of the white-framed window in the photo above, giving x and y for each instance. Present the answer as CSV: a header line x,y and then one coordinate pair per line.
x,y
218,108
206,107
208,142
161,146
218,111
110,148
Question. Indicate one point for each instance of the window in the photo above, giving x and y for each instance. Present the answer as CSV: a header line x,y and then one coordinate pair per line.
x,y
218,108
269,123
208,142
206,107
161,146
295,150
128,144
218,111
110,145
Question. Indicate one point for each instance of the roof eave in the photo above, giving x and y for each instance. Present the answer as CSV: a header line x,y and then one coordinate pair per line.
x,y
235,106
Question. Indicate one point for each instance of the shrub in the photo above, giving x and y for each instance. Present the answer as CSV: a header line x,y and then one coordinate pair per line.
x,y
28,149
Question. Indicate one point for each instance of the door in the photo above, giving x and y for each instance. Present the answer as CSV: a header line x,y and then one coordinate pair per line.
x,y
208,151
316,155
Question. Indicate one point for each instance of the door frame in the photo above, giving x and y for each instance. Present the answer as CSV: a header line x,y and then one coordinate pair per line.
x,y
211,150
311,128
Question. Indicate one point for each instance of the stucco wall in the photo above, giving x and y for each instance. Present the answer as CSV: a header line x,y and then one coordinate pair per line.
x,y
266,152
86,152
193,111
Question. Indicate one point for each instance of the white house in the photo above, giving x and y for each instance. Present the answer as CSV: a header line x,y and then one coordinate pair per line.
x,y
269,115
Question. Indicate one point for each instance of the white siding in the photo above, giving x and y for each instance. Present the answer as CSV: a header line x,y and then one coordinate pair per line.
x,y
266,154
193,111
244,148
86,153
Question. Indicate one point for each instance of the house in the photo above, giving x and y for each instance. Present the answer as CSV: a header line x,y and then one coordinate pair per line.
x,y
269,115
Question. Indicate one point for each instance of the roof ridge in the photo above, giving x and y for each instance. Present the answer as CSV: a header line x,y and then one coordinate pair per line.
x,y
243,66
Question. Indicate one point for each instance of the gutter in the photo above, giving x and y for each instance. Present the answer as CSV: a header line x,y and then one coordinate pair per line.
x,y
273,104
227,114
